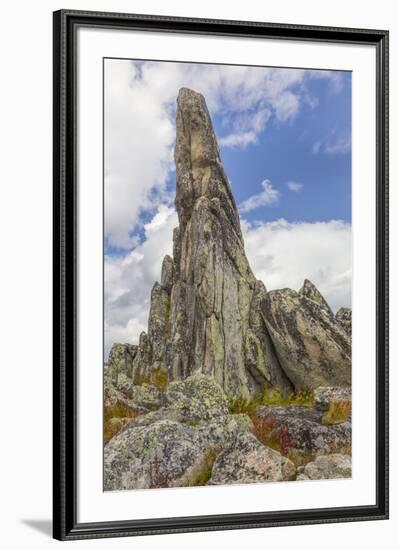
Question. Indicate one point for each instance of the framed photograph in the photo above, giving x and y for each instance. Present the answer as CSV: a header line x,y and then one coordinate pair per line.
x,y
220,274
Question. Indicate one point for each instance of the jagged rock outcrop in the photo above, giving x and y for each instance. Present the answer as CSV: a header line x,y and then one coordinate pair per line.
x,y
344,317
312,293
205,315
311,345
126,394
121,359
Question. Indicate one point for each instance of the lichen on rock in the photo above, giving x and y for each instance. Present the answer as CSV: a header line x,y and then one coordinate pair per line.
x,y
246,460
312,347
334,466
217,336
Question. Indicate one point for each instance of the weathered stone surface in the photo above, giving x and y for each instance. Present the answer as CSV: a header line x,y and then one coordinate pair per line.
x,y
150,452
261,360
243,421
124,386
158,321
113,395
310,291
199,171
334,466
158,455
142,360
167,273
312,347
300,431
246,460
146,396
325,395
121,359
344,317
198,397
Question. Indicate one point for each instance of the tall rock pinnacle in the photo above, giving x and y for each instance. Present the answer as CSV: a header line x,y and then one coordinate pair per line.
x,y
199,171
208,313
205,315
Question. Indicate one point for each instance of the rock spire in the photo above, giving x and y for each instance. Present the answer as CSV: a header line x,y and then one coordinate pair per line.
x,y
209,314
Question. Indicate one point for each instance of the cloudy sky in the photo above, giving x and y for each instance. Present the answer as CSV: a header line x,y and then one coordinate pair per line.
x,y
285,140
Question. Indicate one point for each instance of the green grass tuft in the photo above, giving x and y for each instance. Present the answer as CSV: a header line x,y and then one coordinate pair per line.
x,y
270,397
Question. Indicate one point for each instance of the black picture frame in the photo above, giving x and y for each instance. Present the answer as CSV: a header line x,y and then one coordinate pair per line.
x,y
65,24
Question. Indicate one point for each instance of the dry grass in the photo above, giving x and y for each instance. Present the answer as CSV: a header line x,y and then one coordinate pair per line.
x,y
115,418
338,412
271,397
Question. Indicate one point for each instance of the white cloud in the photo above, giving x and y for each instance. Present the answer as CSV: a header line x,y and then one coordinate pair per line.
x,y
140,102
128,280
268,197
340,146
247,127
283,254
295,186
240,140
138,144
333,145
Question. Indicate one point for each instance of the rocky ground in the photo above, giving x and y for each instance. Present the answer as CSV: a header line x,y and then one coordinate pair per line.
x,y
188,435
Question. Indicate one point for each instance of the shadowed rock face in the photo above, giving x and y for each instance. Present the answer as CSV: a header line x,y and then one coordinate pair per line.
x,y
344,317
311,345
209,314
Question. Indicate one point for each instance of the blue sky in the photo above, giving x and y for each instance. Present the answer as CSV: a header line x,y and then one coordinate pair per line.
x,y
285,142
284,153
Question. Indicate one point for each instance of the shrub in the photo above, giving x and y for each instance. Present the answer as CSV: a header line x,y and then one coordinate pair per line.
x,y
265,431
